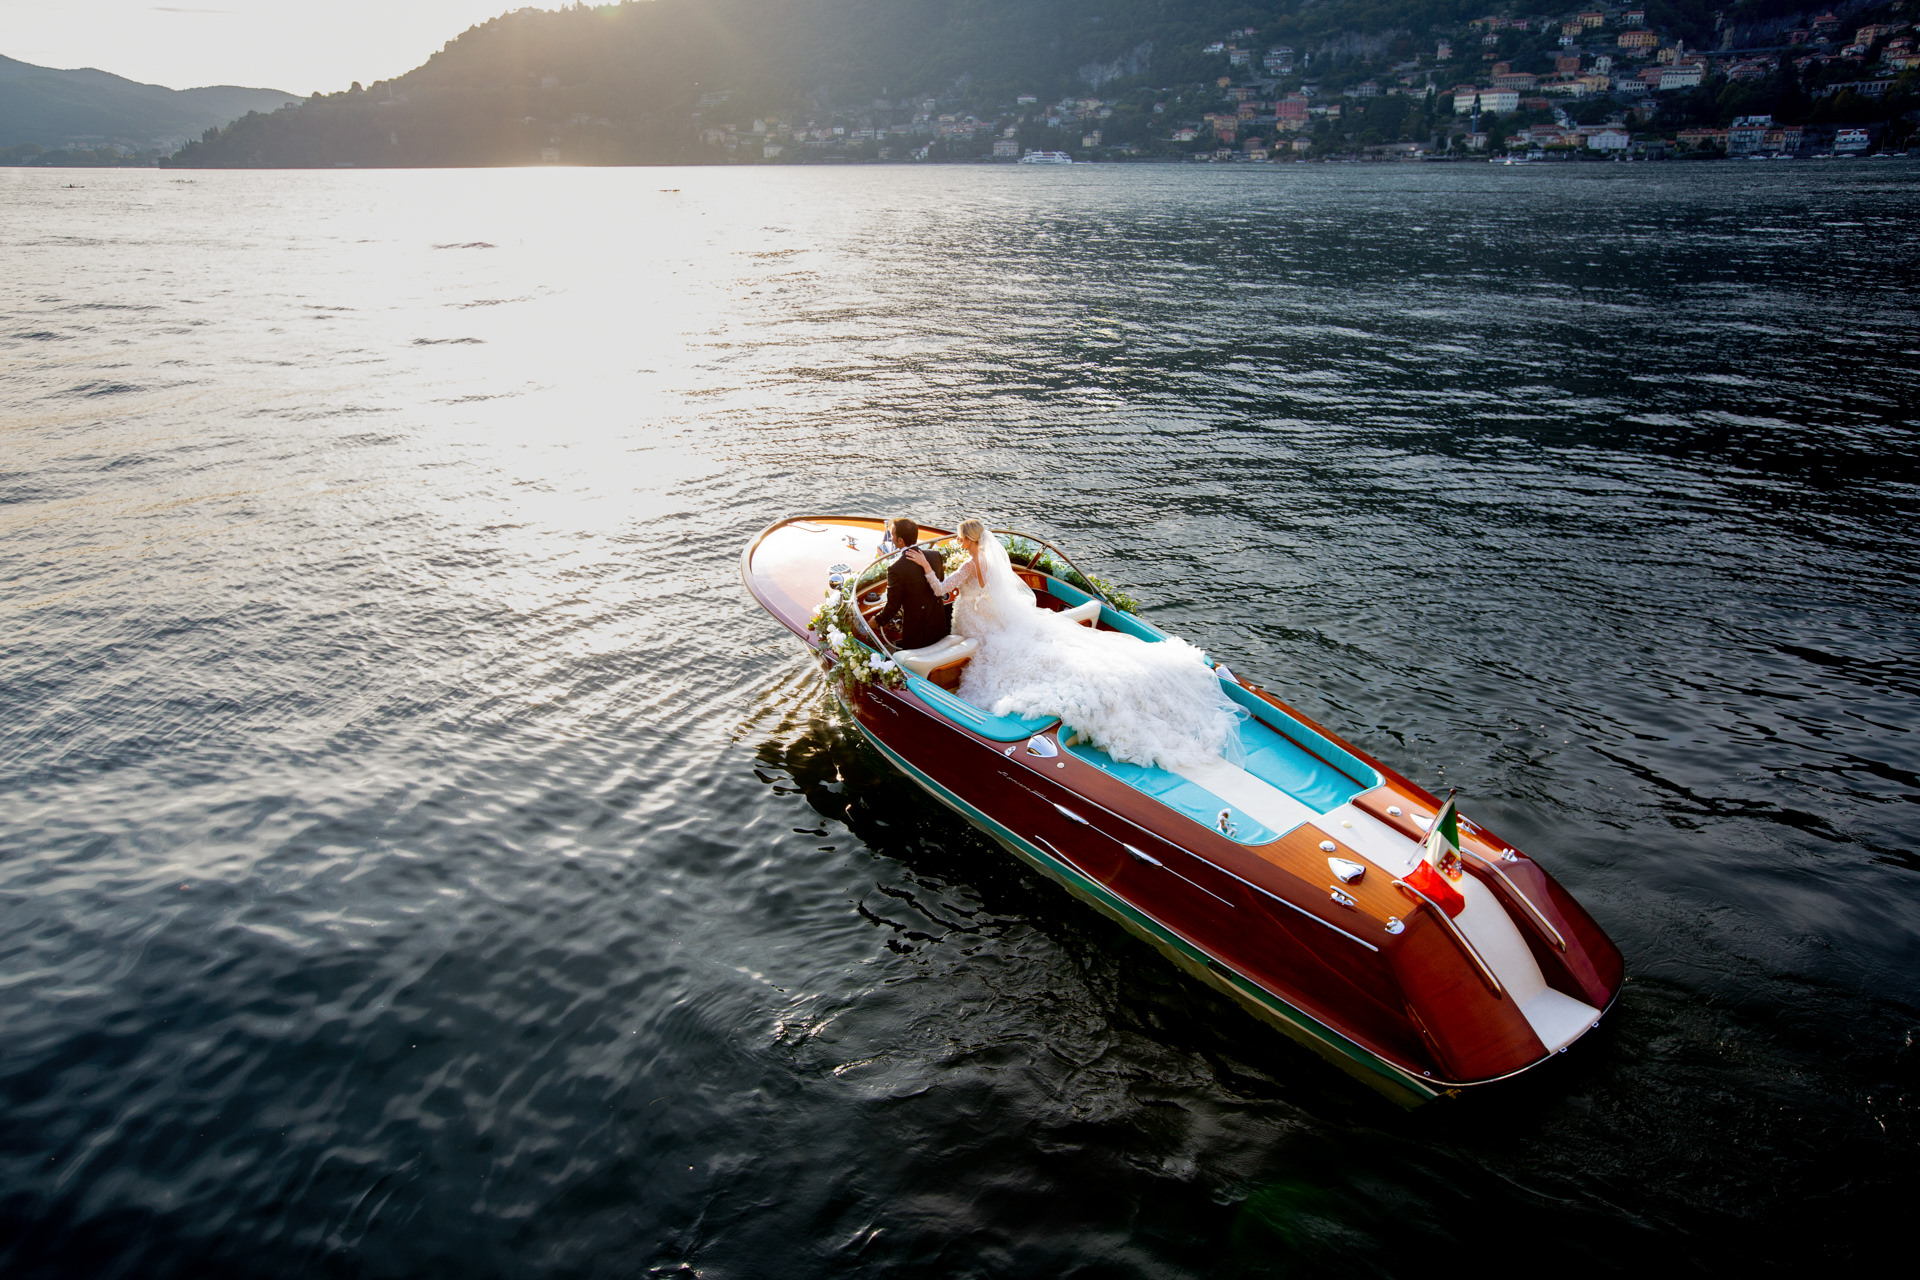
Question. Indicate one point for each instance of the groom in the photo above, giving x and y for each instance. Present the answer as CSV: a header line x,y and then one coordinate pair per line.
x,y
910,601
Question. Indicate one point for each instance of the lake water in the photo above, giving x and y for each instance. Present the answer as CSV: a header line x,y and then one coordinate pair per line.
x,y
419,856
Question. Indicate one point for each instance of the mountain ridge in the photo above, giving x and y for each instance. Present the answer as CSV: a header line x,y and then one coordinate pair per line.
x,y
58,107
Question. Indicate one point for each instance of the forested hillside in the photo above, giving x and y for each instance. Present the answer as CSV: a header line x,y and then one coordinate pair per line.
x,y
620,82
667,81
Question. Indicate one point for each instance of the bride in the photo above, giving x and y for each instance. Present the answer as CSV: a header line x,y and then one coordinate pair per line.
x,y
1147,703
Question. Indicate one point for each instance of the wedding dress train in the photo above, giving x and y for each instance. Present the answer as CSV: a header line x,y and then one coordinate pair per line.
x,y
1147,703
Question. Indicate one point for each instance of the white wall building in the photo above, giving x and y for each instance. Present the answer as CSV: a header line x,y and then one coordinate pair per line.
x,y
1686,75
1491,101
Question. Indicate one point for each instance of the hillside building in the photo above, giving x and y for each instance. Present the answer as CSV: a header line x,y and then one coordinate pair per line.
x,y
1682,75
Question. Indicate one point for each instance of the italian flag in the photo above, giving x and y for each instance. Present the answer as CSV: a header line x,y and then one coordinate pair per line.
x,y
1439,864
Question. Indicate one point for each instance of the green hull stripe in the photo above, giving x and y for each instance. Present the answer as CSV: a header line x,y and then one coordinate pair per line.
x,y
1158,933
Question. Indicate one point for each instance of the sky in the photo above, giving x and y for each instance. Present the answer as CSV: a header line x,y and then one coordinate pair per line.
x,y
295,45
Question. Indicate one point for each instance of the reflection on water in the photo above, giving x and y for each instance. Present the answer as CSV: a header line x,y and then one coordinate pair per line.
x,y
419,854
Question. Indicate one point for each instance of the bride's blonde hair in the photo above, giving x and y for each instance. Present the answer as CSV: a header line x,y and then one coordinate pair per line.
x,y
973,530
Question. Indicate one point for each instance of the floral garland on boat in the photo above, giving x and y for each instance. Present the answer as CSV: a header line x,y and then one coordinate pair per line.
x,y
853,662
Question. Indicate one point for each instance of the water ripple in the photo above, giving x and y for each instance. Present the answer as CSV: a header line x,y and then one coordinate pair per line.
x,y
419,855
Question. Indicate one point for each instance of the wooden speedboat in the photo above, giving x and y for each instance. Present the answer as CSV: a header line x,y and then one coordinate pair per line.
x,y
1335,899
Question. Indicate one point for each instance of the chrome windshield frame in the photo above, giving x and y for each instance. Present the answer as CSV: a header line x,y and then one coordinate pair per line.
x,y
1066,559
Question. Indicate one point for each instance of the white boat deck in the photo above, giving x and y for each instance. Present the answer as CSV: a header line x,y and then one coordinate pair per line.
x,y
1258,799
1556,1018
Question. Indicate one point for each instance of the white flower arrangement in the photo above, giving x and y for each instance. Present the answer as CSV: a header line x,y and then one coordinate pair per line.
x,y
853,662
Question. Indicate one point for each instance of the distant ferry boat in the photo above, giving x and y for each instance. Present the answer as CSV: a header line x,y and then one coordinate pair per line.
x,y
1046,157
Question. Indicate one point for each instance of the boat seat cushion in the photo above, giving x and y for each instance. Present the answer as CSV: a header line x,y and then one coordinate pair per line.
x,y
1288,755
1180,794
985,723
1087,612
944,652
1066,593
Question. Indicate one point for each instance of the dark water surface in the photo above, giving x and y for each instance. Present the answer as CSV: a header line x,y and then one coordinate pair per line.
x,y
418,855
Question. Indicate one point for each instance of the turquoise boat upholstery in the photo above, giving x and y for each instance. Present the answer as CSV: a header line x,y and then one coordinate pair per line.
x,y
1280,751
1286,754
985,723
1072,595
1174,791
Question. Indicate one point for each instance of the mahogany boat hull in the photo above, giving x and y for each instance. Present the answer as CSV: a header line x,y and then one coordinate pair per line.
x,y
1375,978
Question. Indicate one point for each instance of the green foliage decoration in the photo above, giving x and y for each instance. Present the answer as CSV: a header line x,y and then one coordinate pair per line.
x,y
854,664
1024,552
1121,600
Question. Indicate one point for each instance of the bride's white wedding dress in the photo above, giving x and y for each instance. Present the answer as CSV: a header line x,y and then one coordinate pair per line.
x,y
1142,703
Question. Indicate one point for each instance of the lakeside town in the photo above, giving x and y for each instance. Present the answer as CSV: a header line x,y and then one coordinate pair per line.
x,y
660,83
1593,84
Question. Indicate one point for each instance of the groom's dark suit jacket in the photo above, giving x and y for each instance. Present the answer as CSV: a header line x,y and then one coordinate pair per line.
x,y
922,615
